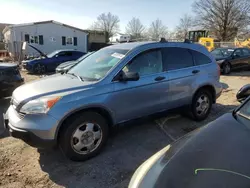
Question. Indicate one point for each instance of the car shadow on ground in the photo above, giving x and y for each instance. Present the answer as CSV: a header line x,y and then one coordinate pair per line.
x,y
239,72
127,148
178,127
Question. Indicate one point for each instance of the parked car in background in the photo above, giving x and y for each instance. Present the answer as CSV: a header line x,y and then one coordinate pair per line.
x,y
10,77
232,58
115,84
67,65
216,155
48,63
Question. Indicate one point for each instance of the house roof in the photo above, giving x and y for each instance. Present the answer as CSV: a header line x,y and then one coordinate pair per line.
x,y
43,22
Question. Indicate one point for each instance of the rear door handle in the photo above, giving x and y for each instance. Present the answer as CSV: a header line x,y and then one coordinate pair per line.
x,y
159,78
195,71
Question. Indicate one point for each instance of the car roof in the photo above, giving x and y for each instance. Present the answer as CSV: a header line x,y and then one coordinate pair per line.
x,y
66,50
134,45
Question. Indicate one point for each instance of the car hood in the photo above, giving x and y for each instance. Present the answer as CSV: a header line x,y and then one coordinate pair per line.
x,y
223,144
7,65
67,64
51,85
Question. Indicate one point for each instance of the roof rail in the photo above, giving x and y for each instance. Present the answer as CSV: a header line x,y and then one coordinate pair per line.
x,y
187,41
163,40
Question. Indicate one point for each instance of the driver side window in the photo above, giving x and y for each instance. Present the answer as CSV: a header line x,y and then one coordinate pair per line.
x,y
238,53
146,63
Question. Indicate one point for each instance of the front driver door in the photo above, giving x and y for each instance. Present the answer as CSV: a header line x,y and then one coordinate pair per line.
x,y
237,59
133,99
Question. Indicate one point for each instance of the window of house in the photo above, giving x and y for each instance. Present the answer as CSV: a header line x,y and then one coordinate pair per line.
x,y
176,58
200,59
40,38
75,41
69,40
149,62
63,41
36,39
32,39
27,38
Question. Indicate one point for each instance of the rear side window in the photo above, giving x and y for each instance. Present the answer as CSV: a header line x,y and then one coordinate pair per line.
x,y
246,52
176,58
201,59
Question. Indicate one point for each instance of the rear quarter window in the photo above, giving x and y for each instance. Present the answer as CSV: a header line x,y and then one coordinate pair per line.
x,y
200,59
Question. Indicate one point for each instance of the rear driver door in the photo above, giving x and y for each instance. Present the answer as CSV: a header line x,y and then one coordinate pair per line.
x,y
182,73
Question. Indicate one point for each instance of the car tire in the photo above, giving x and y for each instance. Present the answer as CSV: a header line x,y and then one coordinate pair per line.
x,y
226,68
84,136
201,105
39,68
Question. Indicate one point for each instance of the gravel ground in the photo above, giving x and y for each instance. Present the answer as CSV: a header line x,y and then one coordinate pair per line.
x,y
22,166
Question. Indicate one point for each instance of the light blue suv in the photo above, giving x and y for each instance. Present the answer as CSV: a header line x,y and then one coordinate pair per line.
x,y
77,109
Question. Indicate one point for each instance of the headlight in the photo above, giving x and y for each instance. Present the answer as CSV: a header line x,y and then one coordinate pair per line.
x,y
39,106
220,61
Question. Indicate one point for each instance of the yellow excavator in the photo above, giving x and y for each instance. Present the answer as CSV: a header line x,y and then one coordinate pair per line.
x,y
202,37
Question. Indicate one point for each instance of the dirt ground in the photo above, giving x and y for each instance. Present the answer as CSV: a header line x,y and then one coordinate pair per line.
x,y
22,166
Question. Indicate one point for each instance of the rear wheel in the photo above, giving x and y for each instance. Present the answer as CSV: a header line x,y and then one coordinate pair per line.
x,y
226,68
84,136
39,68
201,105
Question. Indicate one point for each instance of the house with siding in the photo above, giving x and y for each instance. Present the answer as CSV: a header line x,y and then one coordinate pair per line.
x,y
47,36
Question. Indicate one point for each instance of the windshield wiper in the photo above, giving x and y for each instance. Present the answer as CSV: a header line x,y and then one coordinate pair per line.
x,y
77,76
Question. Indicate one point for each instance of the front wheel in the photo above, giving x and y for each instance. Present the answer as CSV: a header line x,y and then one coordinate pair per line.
x,y
39,68
84,136
226,68
201,105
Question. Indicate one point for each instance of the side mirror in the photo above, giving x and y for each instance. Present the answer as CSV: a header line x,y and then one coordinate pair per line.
x,y
128,76
243,93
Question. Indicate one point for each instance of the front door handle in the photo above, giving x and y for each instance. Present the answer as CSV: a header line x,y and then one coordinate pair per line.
x,y
195,71
159,78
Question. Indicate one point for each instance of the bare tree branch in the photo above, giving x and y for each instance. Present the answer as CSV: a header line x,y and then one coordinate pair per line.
x,y
108,23
185,25
135,28
224,18
157,30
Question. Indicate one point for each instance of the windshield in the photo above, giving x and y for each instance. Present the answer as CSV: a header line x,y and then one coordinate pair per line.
x,y
220,53
84,56
97,65
52,54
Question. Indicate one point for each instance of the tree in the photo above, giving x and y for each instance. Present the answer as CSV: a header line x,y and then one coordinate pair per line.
x,y
157,30
225,18
135,28
108,23
185,25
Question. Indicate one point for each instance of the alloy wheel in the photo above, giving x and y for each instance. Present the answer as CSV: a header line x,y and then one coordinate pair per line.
x,y
86,138
202,105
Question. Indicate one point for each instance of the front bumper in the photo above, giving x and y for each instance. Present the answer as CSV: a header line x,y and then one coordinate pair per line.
x,y
36,130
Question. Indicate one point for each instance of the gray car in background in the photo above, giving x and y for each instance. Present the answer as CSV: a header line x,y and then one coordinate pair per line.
x,y
69,64
77,110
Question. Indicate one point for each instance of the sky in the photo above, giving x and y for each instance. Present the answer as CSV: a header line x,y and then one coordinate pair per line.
x,y
82,13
